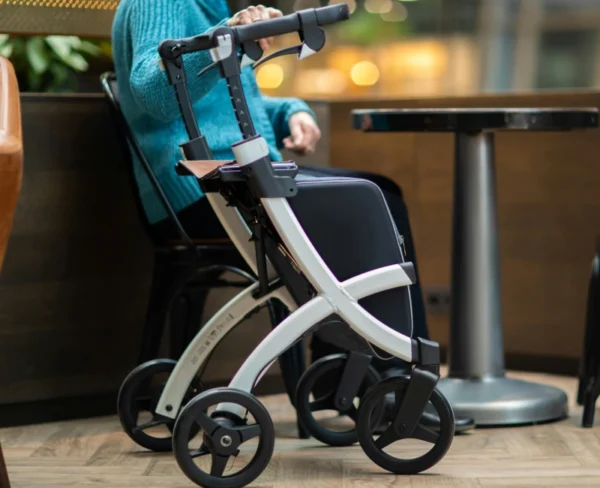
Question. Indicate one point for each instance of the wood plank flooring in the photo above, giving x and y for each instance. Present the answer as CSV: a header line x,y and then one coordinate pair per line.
x,y
95,452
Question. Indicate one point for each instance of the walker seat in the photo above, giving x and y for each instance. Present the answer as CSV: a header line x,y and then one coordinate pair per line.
x,y
350,226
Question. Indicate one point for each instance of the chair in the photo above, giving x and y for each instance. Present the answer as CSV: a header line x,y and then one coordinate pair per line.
x,y
589,375
11,173
186,270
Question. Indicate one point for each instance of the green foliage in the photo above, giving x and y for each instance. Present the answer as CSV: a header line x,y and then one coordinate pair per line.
x,y
49,64
369,29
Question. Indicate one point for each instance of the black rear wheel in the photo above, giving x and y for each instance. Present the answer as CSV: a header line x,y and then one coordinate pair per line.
x,y
429,446
315,394
137,401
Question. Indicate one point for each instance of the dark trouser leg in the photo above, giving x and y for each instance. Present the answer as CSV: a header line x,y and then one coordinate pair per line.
x,y
159,304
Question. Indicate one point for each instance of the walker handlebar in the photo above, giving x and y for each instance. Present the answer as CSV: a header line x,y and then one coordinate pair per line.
x,y
172,49
291,23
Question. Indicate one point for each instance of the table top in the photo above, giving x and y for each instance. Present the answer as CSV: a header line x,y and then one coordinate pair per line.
x,y
474,119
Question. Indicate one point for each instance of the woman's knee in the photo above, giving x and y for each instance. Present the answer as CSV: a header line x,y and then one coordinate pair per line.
x,y
383,182
386,184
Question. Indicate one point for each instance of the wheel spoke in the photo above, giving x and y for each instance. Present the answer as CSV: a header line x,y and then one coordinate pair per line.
x,y
324,403
203,451
219,463
387,438
249,432
143,404
148,425
425,434
208,425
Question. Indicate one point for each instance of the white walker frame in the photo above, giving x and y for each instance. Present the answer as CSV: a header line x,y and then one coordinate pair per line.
x,y
226,319
333,297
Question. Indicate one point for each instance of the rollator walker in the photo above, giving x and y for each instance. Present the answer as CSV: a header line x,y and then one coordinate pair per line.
x,y
328,249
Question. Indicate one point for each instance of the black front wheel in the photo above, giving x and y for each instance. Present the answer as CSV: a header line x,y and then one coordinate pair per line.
x,y
429,446
231,451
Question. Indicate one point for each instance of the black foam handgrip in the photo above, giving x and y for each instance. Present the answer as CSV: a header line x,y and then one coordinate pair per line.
x,y
290,23
171,49
268,28
332,14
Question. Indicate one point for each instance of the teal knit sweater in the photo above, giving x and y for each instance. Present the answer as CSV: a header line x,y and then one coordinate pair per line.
x,y
150,107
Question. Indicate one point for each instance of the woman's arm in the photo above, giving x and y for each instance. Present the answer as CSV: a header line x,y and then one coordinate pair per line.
x,y
280,110
150,23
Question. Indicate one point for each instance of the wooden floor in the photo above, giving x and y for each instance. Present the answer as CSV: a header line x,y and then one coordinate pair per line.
x,y
96,453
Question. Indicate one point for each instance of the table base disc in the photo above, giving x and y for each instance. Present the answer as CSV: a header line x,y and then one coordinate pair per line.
x,y
504,401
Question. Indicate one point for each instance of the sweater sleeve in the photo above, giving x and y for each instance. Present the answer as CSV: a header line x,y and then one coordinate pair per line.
x,y
280,110
150,23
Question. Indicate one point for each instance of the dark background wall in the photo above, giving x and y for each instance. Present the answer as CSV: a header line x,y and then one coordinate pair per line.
x,y
75,283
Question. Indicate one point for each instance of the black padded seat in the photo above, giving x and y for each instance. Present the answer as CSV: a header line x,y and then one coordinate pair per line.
x,y
350,225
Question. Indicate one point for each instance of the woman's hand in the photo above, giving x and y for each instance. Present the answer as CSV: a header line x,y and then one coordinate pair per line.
x,y
305,134
255,14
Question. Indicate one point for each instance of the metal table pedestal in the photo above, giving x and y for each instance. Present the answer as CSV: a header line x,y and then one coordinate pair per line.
x,y
476,385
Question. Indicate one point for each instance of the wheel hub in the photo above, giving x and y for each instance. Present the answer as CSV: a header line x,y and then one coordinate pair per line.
x,y
224,433
225,442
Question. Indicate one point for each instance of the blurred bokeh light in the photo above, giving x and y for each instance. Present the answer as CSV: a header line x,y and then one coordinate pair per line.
x,y
446,47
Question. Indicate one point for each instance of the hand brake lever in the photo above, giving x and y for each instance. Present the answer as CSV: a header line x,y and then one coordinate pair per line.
x,y
312,36
208,68
277,54
251,52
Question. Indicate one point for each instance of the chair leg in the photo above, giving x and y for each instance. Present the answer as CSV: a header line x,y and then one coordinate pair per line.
x,y
179,316
589,409
4,481
292,362
589,406
159,304
185,318
581,390
300,362
588,368
198,294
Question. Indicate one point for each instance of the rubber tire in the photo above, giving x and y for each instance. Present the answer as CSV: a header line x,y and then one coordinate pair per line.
x,y
304,389
127,393
186,421
405,466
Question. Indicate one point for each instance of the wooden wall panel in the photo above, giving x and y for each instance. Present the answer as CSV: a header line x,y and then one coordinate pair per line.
x,y
75,279
549,212
75,283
